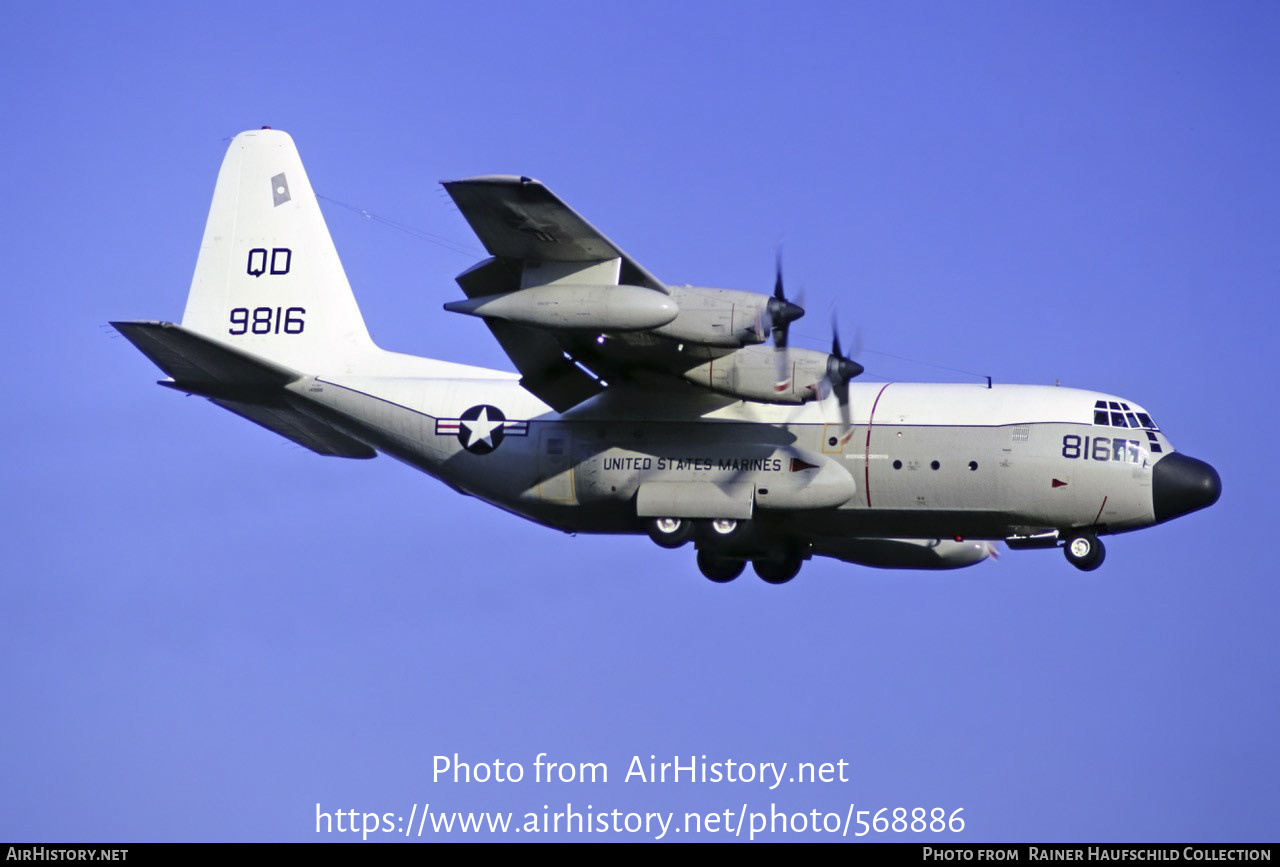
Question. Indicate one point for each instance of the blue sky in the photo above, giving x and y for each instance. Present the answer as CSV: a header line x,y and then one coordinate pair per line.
x,y
205,630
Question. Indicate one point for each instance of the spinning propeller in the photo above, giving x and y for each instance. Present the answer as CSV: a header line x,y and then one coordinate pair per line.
x,y
778,315
776,319
839,371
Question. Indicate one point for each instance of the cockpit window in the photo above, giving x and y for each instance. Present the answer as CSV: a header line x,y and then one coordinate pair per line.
x,y
1113,413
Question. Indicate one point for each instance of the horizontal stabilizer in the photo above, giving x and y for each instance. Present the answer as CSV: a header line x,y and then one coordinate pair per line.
x,y
302,429
200,365
248,386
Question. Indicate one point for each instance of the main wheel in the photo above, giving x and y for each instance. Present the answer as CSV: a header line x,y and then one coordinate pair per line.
x,y
723,532
777,571
719,569
670,532
1084,551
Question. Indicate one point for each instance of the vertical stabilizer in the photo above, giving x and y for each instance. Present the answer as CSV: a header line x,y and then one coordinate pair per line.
x,y
268,280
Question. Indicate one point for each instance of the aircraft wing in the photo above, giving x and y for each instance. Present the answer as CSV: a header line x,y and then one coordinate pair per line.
x,y
518,218
525,226
576,314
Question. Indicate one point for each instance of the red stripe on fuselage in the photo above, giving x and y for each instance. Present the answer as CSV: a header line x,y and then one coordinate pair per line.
x,y
866,455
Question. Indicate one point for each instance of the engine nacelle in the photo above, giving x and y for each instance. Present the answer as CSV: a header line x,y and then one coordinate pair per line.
x,y
716,317
751,373
905,553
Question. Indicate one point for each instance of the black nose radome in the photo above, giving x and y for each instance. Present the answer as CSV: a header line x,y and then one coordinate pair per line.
x,y
1181,484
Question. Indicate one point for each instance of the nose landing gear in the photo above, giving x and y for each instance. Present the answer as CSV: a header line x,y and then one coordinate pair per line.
x,y
1084,551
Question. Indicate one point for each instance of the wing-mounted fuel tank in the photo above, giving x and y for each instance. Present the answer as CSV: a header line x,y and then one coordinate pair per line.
x,y
575,306
569,296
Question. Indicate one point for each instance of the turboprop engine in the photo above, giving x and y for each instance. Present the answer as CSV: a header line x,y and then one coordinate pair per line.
x,y
752,373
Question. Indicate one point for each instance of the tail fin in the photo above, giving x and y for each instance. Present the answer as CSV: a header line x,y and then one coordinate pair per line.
x,y
268,280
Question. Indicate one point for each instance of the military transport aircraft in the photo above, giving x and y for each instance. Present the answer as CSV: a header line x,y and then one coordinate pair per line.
x,y
644,407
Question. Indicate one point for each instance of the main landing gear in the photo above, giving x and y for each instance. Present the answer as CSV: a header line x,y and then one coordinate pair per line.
x,y
725,545
670,532
778,571
723,568
718,568
1084,551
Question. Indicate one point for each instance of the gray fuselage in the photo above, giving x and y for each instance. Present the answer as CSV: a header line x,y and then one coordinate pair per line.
x,y
921,460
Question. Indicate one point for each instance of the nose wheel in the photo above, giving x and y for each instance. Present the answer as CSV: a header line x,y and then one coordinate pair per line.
x,y
1084,551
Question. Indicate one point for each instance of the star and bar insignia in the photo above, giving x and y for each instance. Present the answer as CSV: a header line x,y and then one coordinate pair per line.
x,y
481,429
